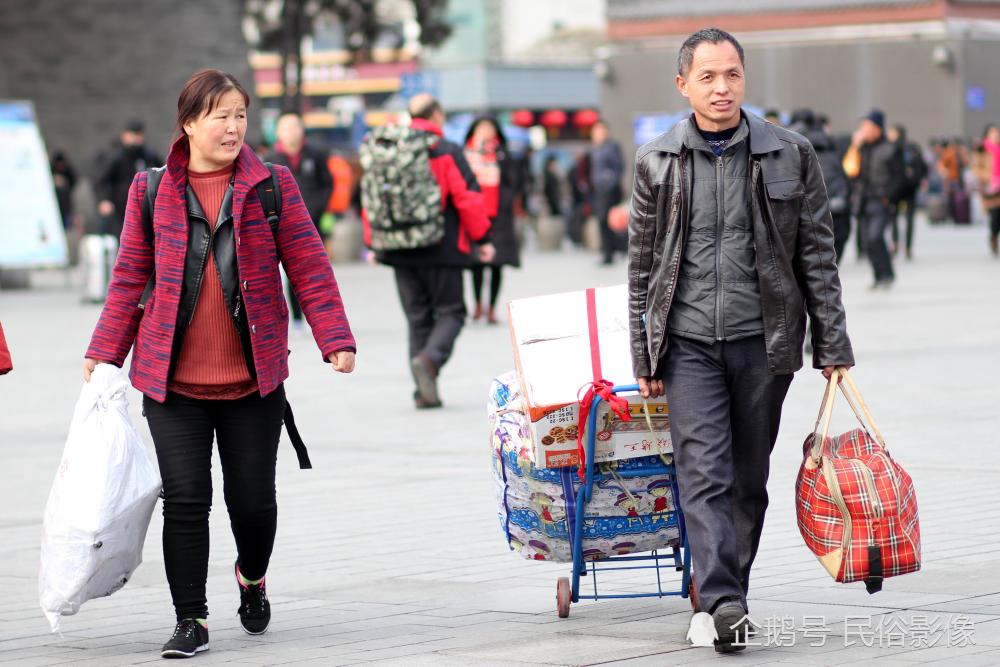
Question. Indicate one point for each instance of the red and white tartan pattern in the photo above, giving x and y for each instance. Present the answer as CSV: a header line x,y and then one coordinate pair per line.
x,y
896,531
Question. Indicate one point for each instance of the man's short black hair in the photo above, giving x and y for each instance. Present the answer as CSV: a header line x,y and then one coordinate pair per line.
x,y
703,36
427,110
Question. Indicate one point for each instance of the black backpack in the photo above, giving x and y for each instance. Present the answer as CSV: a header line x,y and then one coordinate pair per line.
x,y
269,194
914,167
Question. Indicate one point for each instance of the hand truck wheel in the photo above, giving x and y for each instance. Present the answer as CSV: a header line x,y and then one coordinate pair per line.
x,y
563,597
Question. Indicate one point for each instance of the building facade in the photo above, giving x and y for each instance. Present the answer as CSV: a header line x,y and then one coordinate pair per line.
x,y
929,64
507,55
91,67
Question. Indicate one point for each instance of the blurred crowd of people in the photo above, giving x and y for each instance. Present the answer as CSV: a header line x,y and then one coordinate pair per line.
x,y
877,178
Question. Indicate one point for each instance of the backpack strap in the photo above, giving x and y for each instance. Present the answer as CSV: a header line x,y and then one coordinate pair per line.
x,y
269,194
153,177
293,434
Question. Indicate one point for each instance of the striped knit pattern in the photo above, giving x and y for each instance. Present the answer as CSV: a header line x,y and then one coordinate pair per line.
x,y
211,363
299,246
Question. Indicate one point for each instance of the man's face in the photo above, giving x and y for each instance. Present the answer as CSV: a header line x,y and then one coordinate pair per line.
x,y
598,133
870,131
290,132
714,86
892,135
130,138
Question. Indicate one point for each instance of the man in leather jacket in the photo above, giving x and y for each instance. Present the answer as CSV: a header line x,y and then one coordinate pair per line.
x,y
730,246
878,167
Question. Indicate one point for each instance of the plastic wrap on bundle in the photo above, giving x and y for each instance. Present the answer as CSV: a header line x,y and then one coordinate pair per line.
x,y
631,509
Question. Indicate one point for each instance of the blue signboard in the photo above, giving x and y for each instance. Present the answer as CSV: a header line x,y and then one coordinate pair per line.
x,y
645,128
31,228
425,81
975,98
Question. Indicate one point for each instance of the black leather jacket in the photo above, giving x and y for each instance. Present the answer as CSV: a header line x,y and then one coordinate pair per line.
x,y
222,244
792,240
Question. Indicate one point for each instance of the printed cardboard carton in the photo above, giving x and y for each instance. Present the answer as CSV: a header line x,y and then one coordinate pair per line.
x,y
563,343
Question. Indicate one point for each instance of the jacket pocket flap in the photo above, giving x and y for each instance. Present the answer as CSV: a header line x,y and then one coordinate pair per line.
x,y
785,189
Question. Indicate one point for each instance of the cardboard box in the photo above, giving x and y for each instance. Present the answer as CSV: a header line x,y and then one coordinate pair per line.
x,y
562,343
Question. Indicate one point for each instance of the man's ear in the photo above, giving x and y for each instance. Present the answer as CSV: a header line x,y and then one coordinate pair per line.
x,y
681,85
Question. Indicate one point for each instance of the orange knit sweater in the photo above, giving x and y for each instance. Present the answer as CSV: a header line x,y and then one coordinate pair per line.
x,y
211,363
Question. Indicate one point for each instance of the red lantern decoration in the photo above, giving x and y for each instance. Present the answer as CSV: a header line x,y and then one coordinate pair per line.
x,y
522,118
553,118
585,118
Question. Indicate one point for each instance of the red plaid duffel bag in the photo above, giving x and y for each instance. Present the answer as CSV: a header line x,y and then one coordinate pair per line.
x,y
856,507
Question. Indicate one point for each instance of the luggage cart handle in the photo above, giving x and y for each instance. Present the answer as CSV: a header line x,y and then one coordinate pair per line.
x,y
591,437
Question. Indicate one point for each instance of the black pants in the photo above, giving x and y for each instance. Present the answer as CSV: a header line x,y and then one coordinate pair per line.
x,y
725,409
247,431
611,241
994,214
478,279
293,305
841,232
908,205
876,217
435,309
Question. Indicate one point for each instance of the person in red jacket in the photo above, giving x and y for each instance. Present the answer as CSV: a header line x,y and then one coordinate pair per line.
x,y
5,364
429,279
209,349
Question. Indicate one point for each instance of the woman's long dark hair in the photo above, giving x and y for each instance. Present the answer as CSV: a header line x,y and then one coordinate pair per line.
x,y
492,121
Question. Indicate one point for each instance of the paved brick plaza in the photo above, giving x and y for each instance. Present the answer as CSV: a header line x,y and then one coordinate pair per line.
x,y
389,551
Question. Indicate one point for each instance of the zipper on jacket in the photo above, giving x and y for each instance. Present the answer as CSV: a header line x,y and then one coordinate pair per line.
x,y
720,187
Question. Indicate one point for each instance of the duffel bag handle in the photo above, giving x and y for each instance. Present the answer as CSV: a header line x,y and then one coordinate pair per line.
x,y
848,388
824,417
853,396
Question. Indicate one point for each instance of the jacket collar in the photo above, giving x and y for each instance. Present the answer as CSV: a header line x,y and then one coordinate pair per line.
x,y
248,168
225,210
426,126
763,139
248,171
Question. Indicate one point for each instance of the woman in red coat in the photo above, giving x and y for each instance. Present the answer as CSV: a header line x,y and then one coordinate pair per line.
x,y
209,350
5,365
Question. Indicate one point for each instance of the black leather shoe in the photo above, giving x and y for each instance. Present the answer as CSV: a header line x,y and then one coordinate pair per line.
x,y
731,625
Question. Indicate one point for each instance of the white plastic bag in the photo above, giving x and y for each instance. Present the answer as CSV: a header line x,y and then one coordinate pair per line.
x,y
100,504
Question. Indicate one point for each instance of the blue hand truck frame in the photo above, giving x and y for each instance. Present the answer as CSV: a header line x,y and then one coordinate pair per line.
x,y
679,557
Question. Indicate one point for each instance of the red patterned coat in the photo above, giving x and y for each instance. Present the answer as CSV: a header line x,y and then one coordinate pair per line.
x,y
123,325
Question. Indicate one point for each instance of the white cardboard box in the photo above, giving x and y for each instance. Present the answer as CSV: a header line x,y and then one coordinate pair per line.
x,y
553,343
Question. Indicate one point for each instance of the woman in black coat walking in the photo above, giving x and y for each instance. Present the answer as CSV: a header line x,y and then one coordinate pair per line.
x,y
496,173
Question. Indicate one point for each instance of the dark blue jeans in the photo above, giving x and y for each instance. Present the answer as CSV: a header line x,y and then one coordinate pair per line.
x,y
876,219
247,431
725,408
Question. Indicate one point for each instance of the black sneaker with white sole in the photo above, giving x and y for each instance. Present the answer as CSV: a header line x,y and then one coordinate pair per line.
x,y
189,637
255,610
732,626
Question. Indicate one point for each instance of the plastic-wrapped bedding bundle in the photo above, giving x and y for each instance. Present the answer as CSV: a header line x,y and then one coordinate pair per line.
x,y
631,510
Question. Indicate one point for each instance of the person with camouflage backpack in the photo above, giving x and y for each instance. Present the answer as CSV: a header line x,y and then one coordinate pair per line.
x,y
422,210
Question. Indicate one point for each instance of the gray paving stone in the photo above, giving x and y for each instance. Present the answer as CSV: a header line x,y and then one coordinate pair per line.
x,y
440,588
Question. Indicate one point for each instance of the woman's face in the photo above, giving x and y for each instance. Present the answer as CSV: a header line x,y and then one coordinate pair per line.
x,y
216,137
485,132
993,134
